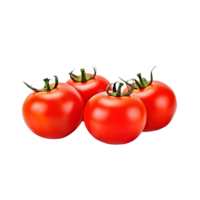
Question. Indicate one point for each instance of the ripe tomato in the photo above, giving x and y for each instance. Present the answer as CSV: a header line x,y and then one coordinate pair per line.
x,y
115,118
161,104
88,85
53,112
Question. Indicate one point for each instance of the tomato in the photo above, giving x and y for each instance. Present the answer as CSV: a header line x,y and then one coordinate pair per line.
x,y
115,118
160,102
88,85
53,112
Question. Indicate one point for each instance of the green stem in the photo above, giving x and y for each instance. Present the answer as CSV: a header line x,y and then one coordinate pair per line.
x,y
138,84
117,93
143,82
47,86
141,79
46,81
82,71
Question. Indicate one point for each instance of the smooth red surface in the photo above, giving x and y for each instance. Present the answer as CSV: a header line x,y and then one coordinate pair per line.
x,y
54,114
90,88
115,120
160,102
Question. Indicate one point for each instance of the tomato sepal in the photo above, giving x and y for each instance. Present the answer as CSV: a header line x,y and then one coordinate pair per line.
x,y
142,83
117,92
83,77
47,87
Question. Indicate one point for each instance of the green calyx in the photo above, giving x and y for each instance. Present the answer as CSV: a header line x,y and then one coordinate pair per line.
x,y
47,87
142,83
117,92
83,77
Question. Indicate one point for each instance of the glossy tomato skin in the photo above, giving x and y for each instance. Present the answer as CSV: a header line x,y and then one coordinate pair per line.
x,y
115,120
160,102
53,114
90,88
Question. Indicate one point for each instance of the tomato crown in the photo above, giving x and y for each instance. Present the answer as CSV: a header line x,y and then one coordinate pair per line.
x,y
83,77
117,92
47,87
142,83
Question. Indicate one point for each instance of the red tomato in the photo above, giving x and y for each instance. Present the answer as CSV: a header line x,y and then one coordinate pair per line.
x,y
88,85
160,102
53,114
115,119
